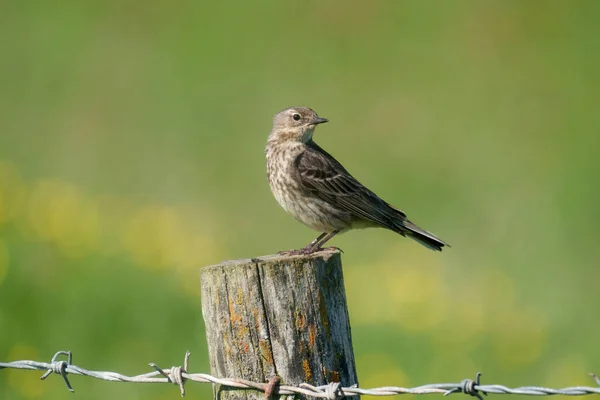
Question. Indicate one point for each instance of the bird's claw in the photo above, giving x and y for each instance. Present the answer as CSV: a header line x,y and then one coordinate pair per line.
x,y
308,250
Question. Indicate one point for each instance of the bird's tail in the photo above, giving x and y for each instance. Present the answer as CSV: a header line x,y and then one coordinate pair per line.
x,y
425,238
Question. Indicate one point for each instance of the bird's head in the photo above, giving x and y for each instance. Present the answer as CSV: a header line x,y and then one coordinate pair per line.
x,y
295,124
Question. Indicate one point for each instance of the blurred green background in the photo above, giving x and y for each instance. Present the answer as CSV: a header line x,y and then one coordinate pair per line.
x,y
132,154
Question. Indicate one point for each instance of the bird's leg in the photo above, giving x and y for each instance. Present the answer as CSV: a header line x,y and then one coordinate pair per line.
x,y
313,246
321,236
318,243
302,250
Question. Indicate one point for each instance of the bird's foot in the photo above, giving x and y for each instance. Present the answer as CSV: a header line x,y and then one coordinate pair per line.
x,y
307,250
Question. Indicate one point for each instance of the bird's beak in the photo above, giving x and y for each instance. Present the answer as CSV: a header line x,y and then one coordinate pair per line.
x,y
319,120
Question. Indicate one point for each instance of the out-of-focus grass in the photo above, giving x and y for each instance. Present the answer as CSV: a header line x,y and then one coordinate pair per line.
x,y
131,154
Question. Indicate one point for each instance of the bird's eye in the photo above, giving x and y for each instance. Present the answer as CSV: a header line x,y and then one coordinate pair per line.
x,y
296,117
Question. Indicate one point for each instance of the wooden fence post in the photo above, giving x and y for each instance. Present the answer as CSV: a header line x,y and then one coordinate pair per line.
x,y
280,316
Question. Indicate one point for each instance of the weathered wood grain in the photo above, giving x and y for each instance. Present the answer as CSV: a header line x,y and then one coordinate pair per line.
x,y
278,315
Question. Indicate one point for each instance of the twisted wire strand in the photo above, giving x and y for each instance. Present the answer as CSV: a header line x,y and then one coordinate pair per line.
x,y
178,375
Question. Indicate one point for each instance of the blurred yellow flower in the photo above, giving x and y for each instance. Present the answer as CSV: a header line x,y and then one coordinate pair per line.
x,y
519,336
27,385
377,369
11,191
464,319
62,214
407,290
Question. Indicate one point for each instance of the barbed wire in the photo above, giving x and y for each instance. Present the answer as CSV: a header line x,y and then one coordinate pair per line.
x,y
179,375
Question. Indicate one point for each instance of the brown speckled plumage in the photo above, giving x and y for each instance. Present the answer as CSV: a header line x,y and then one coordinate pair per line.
x,y
317,190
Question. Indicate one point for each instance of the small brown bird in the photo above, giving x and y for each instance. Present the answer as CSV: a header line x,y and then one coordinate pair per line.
x,y
317,190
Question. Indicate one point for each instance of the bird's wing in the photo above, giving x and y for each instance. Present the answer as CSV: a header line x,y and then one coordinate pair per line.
x,y
327,179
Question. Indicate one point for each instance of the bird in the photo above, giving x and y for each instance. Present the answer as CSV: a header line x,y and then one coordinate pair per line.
x,y
312,186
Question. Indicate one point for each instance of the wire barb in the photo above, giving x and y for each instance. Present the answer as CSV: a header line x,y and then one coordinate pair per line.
x,y
331,391
468,386
60,367
175,374
595,378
